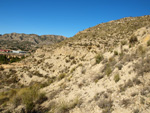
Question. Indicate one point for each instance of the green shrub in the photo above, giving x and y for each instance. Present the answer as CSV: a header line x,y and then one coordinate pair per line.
x,y
99,58
97,78
67,60
133,39
123,42
37,73
108,70
28,96
73,69
129,83
105,103
119,66
48,82
5,60
115,53
73,62
125,102
148,43
83,71
61,76
116,78
141,50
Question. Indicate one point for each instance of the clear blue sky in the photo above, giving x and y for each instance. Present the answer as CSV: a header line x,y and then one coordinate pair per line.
x,y
64,17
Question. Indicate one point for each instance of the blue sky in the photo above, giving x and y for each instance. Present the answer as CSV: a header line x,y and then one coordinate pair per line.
x,y
64,17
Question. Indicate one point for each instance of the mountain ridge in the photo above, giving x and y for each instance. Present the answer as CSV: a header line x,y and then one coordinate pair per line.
x,y
28,41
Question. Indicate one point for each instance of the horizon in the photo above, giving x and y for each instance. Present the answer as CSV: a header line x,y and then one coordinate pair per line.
x,y
64,18
31,34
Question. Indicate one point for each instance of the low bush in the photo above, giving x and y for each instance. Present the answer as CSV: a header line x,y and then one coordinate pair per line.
x,y
119,66
106,105
148,43
99,58
123,42
115,53
61,76
108,70
125,102
73,69
136,111
133,39
83,71
136,81
116,78
37,73
29,96
97,77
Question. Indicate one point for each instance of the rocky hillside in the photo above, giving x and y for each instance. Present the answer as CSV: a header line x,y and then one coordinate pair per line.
x,y
27,41
103,69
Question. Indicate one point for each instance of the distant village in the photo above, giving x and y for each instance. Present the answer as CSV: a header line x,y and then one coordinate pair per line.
x,y
13,52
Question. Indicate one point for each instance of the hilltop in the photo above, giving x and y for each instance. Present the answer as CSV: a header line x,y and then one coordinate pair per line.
x,y
103,69
27,42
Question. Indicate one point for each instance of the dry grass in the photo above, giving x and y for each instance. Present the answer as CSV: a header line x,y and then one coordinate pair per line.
x,y
28,96
64,107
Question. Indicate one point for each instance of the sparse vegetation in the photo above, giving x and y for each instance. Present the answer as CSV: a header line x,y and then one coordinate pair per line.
x,y
116,78
99,58
97,77
106,105
73,69
136,111
136,81
64,106
119,66
94,61
28,96
133,39
48,82
108,70
37,73
83,70
61,76
127,84
115,53
125,102
142,66
123,42
5,59
148,43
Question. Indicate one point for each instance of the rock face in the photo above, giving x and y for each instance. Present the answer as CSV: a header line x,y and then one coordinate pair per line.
x,y
27,41
104,69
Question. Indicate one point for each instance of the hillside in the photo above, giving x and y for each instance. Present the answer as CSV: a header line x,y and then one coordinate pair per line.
x,y
27,41
103,69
